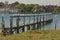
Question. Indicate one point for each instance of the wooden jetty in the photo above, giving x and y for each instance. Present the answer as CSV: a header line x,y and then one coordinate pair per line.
x,y
38,21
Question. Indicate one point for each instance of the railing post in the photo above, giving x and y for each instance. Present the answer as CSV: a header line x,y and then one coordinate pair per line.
x,y
40,22
17,23
55,23
43,22
29,23
11,24
46,18
29,19
34,24
37,23
24,20
23,28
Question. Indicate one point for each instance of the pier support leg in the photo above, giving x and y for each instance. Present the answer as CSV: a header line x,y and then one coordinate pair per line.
x,y
20,30
28,28
38,26
23,29
33,27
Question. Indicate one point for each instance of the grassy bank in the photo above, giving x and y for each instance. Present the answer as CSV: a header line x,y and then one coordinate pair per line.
x,y
34,35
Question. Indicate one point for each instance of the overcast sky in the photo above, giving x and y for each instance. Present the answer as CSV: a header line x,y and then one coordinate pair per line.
x,y
41,2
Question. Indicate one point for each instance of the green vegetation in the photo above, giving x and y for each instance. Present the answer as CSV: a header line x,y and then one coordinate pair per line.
x,y
1,3
32,7
34,35
57,9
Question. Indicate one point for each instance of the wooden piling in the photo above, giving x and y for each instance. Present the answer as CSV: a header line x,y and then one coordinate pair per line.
x,y
28,27
24,20
43,22
40,22
29,23
3,26
37,23
11,25
17,23
33,27
23,29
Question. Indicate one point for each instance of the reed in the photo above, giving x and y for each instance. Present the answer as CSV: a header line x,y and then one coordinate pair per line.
x,y
33,35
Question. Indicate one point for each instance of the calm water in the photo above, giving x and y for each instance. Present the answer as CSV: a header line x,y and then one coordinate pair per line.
x,y
56,19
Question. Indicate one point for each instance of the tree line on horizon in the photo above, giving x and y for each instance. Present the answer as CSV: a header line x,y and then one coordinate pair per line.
x,y
32,7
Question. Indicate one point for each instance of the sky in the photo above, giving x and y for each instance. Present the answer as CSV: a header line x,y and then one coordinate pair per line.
x,y
41,2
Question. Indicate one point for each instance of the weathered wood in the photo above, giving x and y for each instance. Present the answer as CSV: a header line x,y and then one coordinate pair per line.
x,y
17,23
24,20
3,26
11,24
33,27
29,19
23,29
43,22
30,26
40,22
37,23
